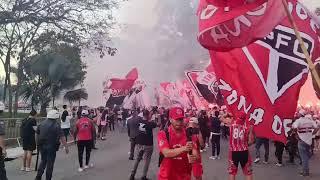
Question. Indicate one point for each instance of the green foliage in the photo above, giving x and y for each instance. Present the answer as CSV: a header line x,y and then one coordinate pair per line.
x,y
33,28
76,95
51,72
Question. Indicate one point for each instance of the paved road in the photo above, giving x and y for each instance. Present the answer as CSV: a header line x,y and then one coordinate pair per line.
x,y
111,163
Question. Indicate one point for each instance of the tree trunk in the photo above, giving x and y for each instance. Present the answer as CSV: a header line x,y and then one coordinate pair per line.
x,y
16,97
9,82
53,99
43,110
10,98
79,102
5,87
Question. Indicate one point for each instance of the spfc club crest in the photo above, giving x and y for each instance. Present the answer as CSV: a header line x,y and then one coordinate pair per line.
x,y
283,51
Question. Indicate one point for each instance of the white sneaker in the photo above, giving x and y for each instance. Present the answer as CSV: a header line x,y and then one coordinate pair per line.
x,y
205,150
213,157
256,160
279,165
28,170
265,162
80,170
86,167
201,151
22,169
218,157
207,145
91,165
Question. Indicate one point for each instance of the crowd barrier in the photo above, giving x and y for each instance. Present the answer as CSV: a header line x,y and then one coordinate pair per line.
x,y
12,128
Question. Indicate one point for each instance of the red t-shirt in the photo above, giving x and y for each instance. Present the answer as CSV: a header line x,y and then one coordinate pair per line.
x,y
84,126
238,137
177,168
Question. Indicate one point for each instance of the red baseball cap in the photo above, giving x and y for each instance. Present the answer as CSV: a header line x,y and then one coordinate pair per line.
x,y
176,113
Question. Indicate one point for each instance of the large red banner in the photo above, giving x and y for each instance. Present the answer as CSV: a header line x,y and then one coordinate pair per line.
x,y
116,89
264,79
226,25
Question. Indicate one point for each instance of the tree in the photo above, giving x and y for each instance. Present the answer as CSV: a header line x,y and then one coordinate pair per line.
x,y
22,22
53,71
76,95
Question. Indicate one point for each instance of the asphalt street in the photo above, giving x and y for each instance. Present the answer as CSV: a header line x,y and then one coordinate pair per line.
x,y
111,163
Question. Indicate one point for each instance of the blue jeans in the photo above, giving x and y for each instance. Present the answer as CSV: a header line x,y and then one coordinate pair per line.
x,y
304,151
48,157
265,142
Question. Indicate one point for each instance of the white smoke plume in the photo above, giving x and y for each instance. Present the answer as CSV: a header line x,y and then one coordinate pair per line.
x,y
156,36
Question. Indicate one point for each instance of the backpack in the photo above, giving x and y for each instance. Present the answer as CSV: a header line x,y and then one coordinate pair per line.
x,y
161,156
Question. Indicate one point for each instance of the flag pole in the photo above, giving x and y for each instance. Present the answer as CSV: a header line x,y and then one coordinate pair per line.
x,y
314,73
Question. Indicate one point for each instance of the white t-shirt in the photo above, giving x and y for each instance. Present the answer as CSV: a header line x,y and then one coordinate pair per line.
x,y
305,127
66,124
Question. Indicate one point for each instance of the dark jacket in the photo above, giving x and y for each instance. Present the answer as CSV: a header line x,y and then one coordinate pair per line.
x,y
49,133
215,125
133,126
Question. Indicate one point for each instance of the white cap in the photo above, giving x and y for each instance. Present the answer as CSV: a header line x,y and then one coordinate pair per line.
x,y
194,120
53,114
85,112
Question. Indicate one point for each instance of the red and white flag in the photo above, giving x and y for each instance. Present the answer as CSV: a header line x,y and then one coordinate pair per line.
x,y
228,24
205,84
264,79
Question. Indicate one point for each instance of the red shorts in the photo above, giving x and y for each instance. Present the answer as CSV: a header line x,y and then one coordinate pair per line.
x,y
240,157
197,170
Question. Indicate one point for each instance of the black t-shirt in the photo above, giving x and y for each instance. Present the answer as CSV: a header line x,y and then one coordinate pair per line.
x,y
27,131
203,121
215,125
111,117
145,134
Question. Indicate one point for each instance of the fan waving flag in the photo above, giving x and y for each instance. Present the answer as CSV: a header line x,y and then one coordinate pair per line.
x,y
228,24
264,79
206,85
117,90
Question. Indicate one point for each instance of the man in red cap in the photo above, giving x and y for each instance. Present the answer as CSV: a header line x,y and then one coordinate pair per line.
x,y
179,152
241,136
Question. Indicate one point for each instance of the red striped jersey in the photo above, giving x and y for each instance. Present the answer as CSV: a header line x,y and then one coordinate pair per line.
x,y
239,137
